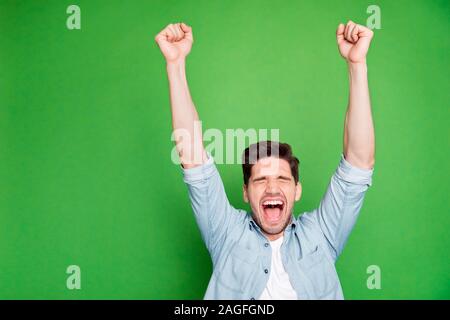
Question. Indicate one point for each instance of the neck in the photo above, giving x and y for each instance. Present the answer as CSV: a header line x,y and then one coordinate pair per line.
x,y
273,237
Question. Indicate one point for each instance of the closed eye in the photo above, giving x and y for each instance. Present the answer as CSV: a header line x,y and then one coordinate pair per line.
x,y
280,178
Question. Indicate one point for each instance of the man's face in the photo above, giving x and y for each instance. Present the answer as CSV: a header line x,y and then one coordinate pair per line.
x,y
272,191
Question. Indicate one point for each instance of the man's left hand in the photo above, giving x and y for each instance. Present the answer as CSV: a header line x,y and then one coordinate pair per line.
x,y
353,41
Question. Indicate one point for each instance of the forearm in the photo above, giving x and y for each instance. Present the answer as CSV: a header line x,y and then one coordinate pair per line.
x,y
359,136
185,121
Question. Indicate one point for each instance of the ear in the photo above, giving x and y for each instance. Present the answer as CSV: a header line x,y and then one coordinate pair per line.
x,y
298,191
244,191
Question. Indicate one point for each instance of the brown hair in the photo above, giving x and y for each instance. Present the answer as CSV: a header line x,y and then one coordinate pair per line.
x,y
268,148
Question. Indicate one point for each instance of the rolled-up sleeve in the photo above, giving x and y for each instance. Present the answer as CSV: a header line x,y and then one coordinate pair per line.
x,y
340,206
213,212
352,174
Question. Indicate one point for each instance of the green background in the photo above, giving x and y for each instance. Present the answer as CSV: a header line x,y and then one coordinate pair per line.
x,y
86,176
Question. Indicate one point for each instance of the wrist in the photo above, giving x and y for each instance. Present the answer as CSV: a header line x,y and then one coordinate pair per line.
x,y
176,64
357,70
176,69
357,66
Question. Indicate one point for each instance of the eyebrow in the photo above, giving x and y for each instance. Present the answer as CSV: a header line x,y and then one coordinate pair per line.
x,y
264,177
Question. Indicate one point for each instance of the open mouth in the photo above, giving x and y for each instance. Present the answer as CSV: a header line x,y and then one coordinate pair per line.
x,y
273,209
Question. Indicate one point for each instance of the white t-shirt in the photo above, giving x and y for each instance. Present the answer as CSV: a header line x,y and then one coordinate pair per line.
x,y
278,286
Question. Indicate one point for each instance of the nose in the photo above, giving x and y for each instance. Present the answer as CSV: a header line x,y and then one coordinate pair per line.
x,y
271,187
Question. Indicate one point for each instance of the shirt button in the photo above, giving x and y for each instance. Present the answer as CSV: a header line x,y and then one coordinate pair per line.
x,y
266,271
266,244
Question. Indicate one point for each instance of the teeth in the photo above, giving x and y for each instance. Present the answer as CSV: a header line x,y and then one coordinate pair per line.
x,y
273,202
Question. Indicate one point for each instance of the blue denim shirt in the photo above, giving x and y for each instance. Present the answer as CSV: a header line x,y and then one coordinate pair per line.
x,y
241,254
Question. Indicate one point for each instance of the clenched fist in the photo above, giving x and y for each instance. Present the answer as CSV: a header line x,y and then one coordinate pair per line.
x,y
353,41
175,41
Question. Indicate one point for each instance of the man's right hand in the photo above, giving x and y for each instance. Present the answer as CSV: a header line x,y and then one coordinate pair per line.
x,y
175,41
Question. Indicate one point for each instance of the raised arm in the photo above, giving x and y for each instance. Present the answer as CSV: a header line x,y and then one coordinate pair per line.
x,y
359,137
175,42
341,204
214,214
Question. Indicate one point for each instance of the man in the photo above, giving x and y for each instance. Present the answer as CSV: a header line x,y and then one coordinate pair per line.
x,y
270,254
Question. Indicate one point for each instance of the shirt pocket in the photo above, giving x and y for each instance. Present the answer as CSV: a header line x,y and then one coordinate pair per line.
x,y
237,269
320,272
